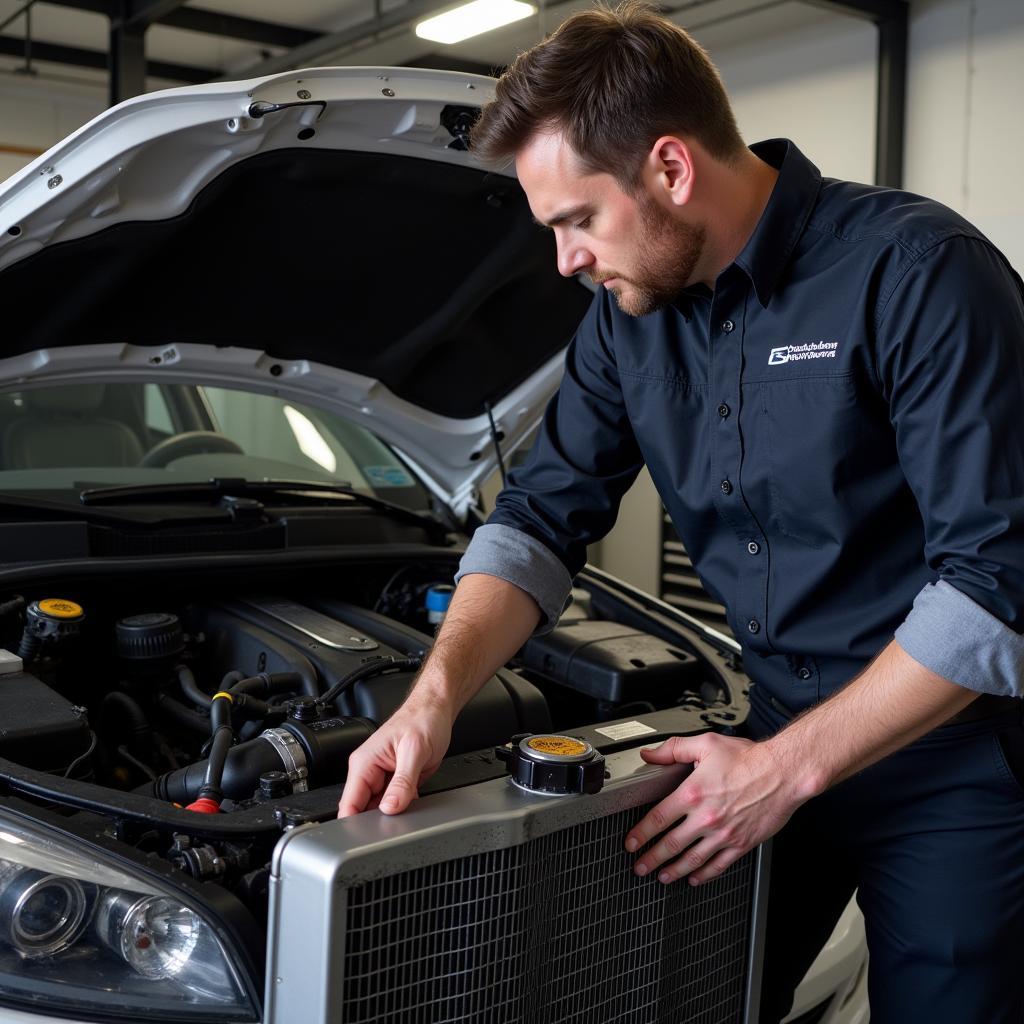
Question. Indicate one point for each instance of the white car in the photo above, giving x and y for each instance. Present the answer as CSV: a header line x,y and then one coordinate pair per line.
x,y
263,341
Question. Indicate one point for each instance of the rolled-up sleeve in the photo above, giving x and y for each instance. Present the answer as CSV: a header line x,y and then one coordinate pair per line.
x,y
566,494
512,555
951,364
952,635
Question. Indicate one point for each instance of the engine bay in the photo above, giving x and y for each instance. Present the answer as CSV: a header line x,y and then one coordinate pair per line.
x,y
195,730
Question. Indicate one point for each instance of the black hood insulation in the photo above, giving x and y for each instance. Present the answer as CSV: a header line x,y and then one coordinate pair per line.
x,y
432,278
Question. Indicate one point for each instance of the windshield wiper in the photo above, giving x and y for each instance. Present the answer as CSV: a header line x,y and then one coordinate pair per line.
x,y
230,487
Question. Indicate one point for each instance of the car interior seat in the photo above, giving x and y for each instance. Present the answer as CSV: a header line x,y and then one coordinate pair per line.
x,y
64,426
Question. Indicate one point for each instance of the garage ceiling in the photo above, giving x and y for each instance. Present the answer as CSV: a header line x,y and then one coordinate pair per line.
x,y
155,43
140,45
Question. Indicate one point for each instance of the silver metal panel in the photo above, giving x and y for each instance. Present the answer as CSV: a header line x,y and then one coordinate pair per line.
x,y
494,904
755,963
327,631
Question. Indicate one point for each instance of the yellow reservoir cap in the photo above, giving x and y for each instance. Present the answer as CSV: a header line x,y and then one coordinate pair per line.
x,y
560,746
61,608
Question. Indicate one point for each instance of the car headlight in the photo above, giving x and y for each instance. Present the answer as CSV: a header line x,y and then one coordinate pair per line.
x,y
80,934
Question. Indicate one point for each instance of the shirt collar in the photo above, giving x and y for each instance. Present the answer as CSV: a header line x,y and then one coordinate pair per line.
x,y
768,250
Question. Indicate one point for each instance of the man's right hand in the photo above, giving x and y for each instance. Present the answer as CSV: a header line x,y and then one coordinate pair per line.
x,y
488,620
388,769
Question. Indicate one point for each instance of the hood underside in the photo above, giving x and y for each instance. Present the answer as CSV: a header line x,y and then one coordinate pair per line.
x,y
429,278
355,237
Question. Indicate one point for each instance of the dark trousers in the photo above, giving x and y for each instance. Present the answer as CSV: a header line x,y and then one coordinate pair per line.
x,y
932,839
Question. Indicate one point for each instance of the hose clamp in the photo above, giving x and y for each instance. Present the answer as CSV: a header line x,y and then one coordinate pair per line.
x,y
293,757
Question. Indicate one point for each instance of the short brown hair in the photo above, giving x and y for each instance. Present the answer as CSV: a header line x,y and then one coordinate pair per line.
x,y
613,80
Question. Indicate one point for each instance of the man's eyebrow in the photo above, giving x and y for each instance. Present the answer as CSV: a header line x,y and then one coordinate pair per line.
x,y
561,218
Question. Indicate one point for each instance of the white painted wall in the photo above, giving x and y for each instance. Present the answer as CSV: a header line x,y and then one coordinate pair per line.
x,y
965,137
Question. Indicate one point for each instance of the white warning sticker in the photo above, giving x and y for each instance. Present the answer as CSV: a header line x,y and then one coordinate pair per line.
x,y
625,730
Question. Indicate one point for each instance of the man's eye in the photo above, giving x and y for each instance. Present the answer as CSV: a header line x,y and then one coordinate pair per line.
x,y
583,224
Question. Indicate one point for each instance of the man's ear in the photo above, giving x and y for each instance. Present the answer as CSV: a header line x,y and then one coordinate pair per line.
x,y
670,169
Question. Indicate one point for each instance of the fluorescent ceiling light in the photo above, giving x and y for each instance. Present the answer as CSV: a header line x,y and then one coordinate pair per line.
x,y
472,19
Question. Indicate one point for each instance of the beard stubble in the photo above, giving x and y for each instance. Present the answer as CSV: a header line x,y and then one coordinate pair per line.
x,y
667,254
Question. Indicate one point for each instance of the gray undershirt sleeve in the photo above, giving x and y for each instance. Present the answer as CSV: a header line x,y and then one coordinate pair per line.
x,y
518,558
961,641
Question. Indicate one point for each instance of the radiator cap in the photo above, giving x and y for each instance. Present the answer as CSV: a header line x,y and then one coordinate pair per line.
x,y
547,763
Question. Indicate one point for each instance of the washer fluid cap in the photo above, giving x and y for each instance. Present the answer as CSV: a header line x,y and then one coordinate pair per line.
x,y
439,597
53,618
550,763
437,601
60,608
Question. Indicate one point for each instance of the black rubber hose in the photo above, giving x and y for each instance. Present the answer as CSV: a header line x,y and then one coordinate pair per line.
x,y
190,687
138,724
373,668
267,683
223,741
232,677
28,648
181,715
248,706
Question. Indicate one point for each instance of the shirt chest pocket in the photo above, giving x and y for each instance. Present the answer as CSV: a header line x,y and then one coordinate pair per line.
x,y
816,444
670,421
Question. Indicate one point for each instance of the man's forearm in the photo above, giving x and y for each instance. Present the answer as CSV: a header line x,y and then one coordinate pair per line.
x,y
890,704
488,620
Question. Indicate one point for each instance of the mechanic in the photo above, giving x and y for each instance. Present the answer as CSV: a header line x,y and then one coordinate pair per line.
x,y
825,380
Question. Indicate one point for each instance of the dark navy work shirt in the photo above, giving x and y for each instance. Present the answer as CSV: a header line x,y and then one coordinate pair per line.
x,y
835,432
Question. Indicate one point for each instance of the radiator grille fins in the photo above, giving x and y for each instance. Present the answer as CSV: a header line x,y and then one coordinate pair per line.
x,y
555,930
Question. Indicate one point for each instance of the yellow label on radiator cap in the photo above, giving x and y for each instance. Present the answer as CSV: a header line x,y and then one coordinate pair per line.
x,y
60,608
561,746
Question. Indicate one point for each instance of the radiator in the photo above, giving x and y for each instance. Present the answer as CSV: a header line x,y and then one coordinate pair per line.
x,y
491,905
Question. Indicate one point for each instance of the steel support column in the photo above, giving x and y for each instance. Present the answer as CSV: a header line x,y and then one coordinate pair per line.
x,y
890,120
127,56
890,18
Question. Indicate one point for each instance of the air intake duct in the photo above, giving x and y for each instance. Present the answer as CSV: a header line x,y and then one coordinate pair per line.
x,y
312,752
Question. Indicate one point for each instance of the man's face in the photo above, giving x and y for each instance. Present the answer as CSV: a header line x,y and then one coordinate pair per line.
x,y
632,245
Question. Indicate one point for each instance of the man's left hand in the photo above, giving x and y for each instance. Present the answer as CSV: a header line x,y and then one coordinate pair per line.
x,y
735,797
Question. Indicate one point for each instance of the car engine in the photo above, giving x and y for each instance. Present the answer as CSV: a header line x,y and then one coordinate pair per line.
x,y
197,731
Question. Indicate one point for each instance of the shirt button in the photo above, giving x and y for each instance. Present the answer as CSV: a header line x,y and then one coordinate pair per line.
x,y
726,487
753,547
727,326
723,410
804,673
754,626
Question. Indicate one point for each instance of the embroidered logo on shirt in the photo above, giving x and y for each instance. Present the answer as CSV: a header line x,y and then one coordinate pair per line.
x,y
795,353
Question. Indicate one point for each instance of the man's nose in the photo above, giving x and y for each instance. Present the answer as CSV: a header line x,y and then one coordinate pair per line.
x,y
573,257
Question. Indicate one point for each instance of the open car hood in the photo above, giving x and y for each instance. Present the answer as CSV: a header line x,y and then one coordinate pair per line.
x,y
321,235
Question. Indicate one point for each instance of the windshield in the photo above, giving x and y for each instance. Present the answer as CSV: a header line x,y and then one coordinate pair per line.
x,y
72,436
